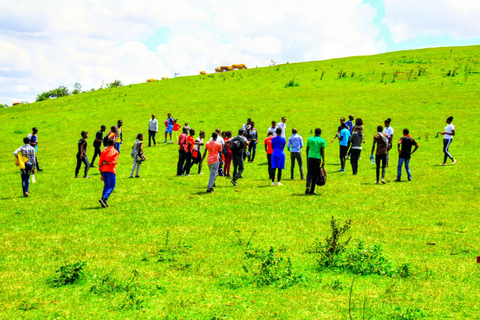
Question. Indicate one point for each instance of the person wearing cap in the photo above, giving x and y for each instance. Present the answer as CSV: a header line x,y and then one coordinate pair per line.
x,y
82,155
152,130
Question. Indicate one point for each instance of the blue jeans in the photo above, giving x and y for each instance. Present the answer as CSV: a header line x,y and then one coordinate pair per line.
x,y
109,179
25,173
117,146
213,174
407,167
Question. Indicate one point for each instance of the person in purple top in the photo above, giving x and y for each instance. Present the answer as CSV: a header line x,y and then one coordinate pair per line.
x,y
278,155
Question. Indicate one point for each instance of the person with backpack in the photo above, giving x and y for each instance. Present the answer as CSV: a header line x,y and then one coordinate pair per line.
x,y
97,143
107,166
26,160
137,155
278,156
405,151
315,159
381,141
355,142
213,148
238,145
82,155
252,142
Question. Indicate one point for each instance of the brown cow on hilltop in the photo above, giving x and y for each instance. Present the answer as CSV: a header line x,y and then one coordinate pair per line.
x,y
218,70
242,66
203,72
229,68
16,103
151,80
224,68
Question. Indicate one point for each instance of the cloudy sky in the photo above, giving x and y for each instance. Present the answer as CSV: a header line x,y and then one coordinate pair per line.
x,y
49,43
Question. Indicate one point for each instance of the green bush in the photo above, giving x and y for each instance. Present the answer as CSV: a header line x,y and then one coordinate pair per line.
x,y
115,84
68,274
55,93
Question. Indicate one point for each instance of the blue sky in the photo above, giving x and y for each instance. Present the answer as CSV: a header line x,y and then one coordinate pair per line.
x,y
95,42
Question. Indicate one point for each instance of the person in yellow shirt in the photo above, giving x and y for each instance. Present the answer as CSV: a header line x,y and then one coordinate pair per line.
x,y
119,137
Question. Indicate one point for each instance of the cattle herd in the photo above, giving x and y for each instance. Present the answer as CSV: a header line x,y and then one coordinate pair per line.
x,y
219,69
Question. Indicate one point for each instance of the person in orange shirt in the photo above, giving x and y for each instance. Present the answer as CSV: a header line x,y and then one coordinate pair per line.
x,y
269,150
213,148
107,165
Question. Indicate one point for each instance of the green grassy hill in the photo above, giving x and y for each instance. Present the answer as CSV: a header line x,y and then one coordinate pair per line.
x,y
165,249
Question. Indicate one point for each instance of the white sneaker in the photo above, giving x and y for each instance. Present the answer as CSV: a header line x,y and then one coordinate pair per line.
x,y
273,183
453,162
279,184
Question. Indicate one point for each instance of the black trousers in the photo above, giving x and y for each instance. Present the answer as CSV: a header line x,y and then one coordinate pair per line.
x,y
83,159
381,158
313,169
188,163
355,155
95,154
343,155
238,161
269,159
151,135
298,156
182,156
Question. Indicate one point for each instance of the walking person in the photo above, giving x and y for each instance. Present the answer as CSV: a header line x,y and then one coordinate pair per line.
x,y
26,160
343,138
381,141
252,142
152,131
238,145
268,149
389,131
169,127
228,154
342,120
112,134
220,159
295,145
405,151
278,156
189,158
97,143
182,152
315,158
447,141
282,125
34,143
82,155
119,136
349,123
137,155
107,166
213,148
197,151
355,142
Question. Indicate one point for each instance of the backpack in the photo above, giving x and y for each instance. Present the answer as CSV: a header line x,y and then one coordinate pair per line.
x,y
321,177
236,145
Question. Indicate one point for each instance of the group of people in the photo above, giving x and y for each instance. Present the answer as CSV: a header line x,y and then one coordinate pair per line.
x,y
223,150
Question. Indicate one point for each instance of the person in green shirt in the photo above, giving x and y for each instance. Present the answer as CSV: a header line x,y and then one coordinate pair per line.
x,y
315,158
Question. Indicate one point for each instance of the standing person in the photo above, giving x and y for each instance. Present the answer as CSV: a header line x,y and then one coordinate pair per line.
x,y
228,154
447,140
343,139
82,155
187,126
247,126
252,142
107,166
197,151
26,155
152,131
189,159
213,148
238,145
315,158
381,140
282,125
272,128
342,120
389,131
278,156
295,145
182,151
359,125
97,143
34,143
220,159
119,139
350,123
406,142
355,142
137,153
169,129
112,134
268,149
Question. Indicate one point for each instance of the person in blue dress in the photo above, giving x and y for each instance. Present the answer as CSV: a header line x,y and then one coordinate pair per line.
x,y
278,156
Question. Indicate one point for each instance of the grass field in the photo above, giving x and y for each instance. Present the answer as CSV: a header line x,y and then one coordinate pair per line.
x,y
166,250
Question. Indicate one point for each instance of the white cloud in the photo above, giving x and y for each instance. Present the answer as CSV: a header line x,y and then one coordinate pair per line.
x,y
409,19
50,43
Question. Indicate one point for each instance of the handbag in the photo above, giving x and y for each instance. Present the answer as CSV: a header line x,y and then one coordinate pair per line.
x,y
141,157
20,160
321,177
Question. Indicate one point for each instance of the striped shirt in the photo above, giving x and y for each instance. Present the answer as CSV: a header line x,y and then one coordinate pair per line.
x,y
27,151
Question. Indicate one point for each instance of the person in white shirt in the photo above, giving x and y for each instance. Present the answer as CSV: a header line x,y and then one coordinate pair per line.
x,y
447,140
389,132
220,160
152,130
247,125
282,126
272,128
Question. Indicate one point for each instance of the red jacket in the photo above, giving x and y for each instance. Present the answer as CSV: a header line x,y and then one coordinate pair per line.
x,y
109,155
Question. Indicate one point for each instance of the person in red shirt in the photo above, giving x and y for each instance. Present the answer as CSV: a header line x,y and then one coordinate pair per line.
x,y
190,145
269,150
182,152
213,148
228,155
107,165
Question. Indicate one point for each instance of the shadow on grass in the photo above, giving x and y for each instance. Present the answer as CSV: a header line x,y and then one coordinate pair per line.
x,y
94,208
